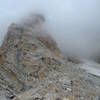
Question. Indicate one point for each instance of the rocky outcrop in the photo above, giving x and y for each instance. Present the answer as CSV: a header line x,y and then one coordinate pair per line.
x,y
26,56
33,68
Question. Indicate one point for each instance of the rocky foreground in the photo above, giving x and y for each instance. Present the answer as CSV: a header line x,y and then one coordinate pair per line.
x,y
33,68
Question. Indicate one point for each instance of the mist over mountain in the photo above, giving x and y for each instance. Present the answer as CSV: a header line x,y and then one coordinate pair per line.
x,y
33,67
73,24
44,50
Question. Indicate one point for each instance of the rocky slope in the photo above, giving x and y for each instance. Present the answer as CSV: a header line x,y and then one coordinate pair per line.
x,y
33,68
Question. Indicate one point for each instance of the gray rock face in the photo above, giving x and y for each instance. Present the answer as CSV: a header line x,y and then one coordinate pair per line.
x,y
33,68
25,55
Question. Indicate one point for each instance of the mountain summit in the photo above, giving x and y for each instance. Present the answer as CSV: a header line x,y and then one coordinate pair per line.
x,y
32,67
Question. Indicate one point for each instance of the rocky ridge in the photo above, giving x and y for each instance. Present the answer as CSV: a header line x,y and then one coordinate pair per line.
x,y
33,68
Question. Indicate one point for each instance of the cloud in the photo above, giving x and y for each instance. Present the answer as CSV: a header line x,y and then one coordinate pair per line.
x,y
74,24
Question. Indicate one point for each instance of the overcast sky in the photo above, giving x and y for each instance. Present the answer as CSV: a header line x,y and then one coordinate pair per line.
x,y
75,24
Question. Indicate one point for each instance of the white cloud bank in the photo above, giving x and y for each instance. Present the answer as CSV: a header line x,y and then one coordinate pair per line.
x,y
75,24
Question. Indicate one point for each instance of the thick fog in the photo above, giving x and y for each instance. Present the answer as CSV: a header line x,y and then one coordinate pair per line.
x,y
74,24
